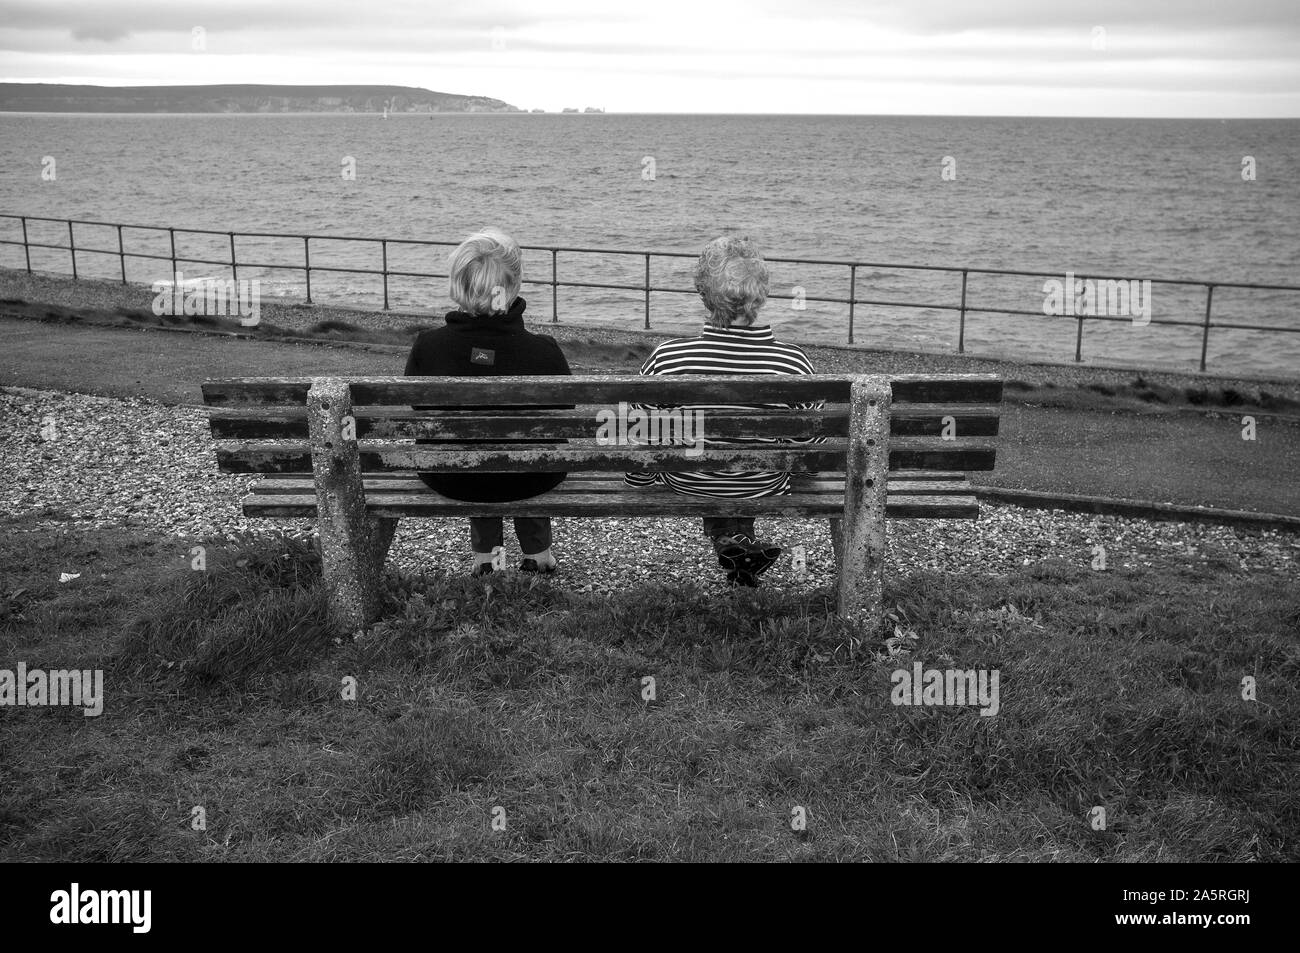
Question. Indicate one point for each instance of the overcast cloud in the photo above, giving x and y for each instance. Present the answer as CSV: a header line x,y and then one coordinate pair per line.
x,y
1000,57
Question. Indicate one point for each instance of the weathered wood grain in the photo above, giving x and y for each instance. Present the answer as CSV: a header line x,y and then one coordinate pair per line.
x,y
980,422
291,458
526,391
612,483
338,446
683,389
634,504
260,424
230,424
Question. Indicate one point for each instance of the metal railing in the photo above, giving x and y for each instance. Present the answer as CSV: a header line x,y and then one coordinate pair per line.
x,y
646,287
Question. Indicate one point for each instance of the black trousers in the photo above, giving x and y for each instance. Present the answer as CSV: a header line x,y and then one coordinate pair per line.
x,y
488,532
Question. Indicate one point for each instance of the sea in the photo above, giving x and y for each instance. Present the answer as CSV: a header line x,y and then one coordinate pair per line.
x,y
1204,200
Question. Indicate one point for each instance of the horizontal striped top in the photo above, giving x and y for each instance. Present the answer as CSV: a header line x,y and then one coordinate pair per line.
x,y
736,350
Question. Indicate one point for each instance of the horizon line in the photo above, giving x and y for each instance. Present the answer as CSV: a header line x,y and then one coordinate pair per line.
x,y
519,111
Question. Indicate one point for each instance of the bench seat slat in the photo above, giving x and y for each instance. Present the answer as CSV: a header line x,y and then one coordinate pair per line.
x,y
638,503
894,475
615,484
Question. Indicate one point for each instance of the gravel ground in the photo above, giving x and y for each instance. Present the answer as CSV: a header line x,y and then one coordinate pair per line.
x,y
139,463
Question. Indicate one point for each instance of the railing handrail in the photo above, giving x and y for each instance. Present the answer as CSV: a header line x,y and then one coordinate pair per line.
x,y
647,287
637,252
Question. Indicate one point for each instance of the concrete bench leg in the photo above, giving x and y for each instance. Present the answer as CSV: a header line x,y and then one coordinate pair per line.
x,y
382,529
349,543
861,549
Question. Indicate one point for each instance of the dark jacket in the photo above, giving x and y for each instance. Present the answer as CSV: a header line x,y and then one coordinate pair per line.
x,y
478,345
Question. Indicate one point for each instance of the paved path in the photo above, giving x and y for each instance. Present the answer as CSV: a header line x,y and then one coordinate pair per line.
x,y
1180,458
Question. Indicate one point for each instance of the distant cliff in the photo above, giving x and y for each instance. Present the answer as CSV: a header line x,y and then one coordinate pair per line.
x,y
57,97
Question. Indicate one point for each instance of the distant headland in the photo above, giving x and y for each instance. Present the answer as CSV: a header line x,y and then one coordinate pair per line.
x,y
58,97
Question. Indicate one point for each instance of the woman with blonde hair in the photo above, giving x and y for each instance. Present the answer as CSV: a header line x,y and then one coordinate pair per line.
x,y
485,337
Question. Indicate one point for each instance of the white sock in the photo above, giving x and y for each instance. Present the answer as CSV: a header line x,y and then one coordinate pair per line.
x,y
543,559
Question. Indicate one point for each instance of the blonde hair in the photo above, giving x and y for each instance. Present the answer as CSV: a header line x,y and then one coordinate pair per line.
x,y
486,272
732,280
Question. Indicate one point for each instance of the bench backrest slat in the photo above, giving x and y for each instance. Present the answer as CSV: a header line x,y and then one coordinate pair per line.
x,y
924,454
937,423
679,389
519,459
401,423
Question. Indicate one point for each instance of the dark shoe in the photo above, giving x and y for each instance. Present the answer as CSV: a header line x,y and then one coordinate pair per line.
x,y
482,569
747,579
731,550
530,565
744,555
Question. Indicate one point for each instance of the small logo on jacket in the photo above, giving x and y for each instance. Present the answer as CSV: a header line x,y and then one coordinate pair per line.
x,y
482,355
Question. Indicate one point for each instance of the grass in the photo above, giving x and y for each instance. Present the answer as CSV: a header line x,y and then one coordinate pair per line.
x,y
224,691
1140,395
124,317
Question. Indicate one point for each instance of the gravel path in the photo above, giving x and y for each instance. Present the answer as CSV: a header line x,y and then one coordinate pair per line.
x,y
96,294
136,462
1057,435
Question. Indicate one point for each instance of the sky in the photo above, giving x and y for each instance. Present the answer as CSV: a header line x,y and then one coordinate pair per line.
x,y
1143,58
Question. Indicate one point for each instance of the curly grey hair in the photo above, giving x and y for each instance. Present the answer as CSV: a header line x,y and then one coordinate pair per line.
x,y
732,280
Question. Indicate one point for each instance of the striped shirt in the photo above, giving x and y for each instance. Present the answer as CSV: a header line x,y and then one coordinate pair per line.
x,y
736,350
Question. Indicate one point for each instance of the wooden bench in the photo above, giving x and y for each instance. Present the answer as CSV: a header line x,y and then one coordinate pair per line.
x,y
341,451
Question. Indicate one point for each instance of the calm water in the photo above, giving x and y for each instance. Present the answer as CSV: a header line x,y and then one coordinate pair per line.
x,y
1133,198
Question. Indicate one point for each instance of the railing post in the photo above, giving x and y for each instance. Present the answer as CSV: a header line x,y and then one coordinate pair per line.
x,y
961,330
647,285
1078,335
853,294
1205,332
